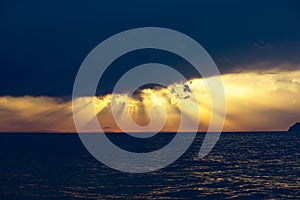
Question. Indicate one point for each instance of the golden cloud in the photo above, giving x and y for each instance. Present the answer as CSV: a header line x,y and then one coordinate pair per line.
x,y
262,100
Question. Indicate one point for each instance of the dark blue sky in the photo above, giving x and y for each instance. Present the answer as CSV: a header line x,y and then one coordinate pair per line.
x,y
44,42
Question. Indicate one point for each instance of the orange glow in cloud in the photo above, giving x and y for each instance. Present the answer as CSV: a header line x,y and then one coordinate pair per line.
x,y
254,101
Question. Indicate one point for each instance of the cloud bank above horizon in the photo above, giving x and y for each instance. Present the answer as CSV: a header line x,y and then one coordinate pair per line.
x,y
255,100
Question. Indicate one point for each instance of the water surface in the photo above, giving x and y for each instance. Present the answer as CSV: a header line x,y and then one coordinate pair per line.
x,y
242,165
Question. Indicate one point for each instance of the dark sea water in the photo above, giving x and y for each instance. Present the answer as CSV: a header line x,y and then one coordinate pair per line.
x,y
260,165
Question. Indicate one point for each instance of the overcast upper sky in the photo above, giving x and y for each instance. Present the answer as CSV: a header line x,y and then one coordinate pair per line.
x,y
43,43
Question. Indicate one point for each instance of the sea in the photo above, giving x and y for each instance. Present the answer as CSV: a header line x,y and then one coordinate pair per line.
x,y
242,165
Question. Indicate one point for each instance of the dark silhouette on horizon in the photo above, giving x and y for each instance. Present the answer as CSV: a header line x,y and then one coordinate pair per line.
x,y
295,127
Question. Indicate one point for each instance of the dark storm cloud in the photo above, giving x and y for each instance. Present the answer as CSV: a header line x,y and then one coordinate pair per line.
x,y
43,43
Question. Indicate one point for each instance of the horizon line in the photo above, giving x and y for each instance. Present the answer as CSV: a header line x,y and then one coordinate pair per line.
x,y
117,132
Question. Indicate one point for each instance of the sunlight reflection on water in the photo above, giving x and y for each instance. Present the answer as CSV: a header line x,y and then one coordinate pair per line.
x,y
254,165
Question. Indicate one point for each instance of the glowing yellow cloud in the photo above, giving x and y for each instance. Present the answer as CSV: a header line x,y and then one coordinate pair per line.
x,y
255,101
